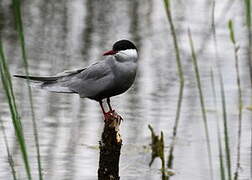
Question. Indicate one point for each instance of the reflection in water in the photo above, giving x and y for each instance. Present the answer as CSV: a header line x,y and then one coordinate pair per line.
x,y
7,21
133,100
103,19
52,130
89,26
180,70
134,24
74,132
62,35
1,20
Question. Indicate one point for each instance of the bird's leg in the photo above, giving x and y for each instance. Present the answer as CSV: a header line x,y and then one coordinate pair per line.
x,y
110,108
104,113
107,115
112,112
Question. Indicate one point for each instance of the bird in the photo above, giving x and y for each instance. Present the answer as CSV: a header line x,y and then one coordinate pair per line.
x,y
114,74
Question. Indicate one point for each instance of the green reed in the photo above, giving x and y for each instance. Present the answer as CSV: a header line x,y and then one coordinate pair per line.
x,y
221,161
224,112
19,25
202,102
10,159
249,30
251,153
181,77
238,81
248,20
226,134
223,102
7,85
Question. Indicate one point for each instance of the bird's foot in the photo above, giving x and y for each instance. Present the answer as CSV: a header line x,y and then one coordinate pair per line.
x,y
112,116
108,116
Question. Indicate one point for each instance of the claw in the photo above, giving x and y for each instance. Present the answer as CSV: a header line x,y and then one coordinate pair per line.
x,y
108,116
112,115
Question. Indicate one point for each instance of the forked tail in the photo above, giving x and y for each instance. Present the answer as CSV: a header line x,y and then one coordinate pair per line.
x,y
48,83
39,79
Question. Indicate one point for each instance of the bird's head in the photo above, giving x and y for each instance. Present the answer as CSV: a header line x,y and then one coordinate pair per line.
x,y
124,50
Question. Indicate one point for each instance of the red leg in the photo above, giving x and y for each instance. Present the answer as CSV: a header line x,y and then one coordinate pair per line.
x,y
115,115
104,113
107,115
110,108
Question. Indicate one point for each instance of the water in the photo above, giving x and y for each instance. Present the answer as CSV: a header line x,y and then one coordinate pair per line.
x,y
72,34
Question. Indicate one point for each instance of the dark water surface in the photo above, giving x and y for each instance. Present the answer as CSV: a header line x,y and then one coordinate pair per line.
x,y
65,34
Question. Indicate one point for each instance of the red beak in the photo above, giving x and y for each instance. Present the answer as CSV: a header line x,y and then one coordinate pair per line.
x,y
111,52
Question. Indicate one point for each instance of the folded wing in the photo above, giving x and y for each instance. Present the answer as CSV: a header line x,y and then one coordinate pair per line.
x,y
50,83
87,82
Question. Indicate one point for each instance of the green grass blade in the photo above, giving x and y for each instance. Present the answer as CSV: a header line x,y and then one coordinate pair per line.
x,y
248,12
226,138
249,32
221,161
238,81
10,159
181,77
215,64
230,26
7,85
19,25
251,153
202,102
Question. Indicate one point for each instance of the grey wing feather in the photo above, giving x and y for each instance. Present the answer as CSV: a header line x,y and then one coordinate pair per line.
x,y
87,82
94,80
36,78
50,78
50,83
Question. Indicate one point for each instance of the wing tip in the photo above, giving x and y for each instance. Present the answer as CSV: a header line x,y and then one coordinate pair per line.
x,y
20,76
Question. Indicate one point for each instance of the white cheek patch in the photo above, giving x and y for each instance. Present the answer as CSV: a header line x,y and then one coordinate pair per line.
x,y
130,53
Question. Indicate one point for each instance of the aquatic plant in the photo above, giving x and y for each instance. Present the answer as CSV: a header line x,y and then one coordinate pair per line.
x,y
7,85
249,30
226,134
220,151
6,143
181,78
202,102
238,81
223,103
20,31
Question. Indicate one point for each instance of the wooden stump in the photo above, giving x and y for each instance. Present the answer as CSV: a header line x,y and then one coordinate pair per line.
x,y
110,149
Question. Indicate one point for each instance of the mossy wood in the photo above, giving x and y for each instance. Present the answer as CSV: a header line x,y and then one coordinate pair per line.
x,y
110,149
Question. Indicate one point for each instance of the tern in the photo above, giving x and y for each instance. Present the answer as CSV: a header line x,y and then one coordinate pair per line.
x,y
114,74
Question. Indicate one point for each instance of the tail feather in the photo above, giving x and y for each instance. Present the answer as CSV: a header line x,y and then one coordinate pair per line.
x,y
47,83
36,78
58,83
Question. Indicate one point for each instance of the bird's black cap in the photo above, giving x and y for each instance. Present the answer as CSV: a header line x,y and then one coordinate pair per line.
x,y
123,45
